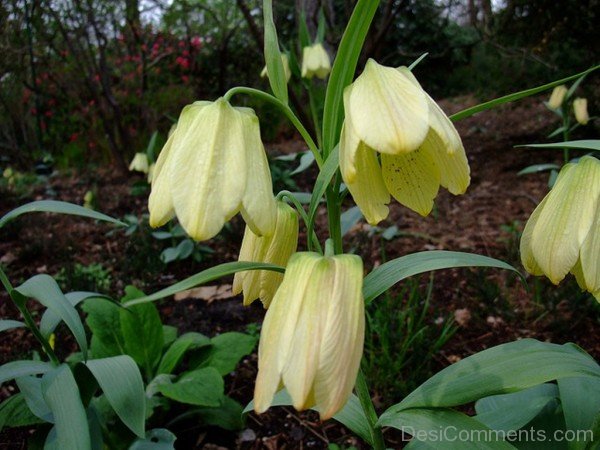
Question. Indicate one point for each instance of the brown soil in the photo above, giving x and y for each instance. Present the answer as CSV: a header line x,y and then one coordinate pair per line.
x,y
498,308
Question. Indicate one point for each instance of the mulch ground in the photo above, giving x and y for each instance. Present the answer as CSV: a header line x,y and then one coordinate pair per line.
x,y
490,307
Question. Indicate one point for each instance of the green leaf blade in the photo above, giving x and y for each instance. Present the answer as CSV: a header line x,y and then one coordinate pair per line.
x,y
62,396
391,272
121,381
54,206
45,290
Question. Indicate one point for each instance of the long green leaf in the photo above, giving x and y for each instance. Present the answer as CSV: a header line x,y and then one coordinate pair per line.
x,y
31,388
182,344
535,168
62,396
323,179
14,412
8,324
142,332
59,207
391,272
45,290
275,70
584,144
121,381
499,370
50,319
512,411
580,399
444,429
204,277
343,70
17,369
516,96
201,387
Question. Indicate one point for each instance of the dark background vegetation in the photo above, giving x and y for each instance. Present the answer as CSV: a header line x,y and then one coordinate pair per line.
x,y
88,81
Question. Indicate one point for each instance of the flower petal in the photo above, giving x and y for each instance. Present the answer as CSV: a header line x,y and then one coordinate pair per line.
x,y
253,249
412,178
160,203
590,256
388,112
365,182
258,203
211,169
279,329
566,219
282,245
342,342
527,257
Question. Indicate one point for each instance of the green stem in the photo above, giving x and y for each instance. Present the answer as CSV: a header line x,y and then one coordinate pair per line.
x,y
19,302
286,110
362,391
312,240
334,214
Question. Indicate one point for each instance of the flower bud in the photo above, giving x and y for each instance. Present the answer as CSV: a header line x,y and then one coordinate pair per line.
x,y
580,110
388,112
312,337
557,97
315,62
139,163
563,233
275,249
212,167
286,68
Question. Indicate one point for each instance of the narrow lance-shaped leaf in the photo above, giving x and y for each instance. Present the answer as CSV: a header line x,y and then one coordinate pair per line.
x,y
121,381
204,277
343,70
516,96
391,272
62,396
45,290
277,78
323,179
502,369
17,369
59,207
584,144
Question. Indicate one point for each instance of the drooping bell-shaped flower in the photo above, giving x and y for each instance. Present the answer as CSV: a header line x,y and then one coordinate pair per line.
x,y
286,68
580,110
389,114
139,163
315,61
563,233
274,249
557,97
312,337
213,166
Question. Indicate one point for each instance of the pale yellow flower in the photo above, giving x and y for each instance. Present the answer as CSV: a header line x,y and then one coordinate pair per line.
x,y
212,167
312,337
286,68
563,233
139,163
580,110
557,97
151,172
315,61
388,113
275,249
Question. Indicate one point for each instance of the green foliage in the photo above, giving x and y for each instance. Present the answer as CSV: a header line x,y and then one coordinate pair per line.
x,y
79,277
401,340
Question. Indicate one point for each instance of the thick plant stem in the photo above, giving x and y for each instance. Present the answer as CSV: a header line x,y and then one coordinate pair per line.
x,y
286,110
362,391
